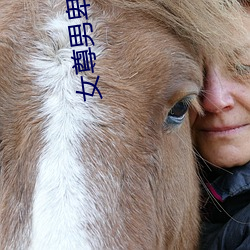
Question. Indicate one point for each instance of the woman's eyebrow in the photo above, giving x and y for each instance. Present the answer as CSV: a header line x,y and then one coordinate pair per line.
x,y
243,51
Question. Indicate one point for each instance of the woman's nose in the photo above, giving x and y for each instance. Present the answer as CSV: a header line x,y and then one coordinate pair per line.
x,y
217,93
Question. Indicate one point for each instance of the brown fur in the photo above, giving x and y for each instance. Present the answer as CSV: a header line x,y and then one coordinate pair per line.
x,y
153,58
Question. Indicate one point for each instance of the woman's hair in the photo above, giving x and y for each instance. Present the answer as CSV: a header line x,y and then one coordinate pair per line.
x,y
209,25
244,2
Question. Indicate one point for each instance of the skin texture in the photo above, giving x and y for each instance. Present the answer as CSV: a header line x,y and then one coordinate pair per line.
x,y
222,135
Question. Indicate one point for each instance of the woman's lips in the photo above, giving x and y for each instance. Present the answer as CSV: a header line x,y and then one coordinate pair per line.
x,y
225,130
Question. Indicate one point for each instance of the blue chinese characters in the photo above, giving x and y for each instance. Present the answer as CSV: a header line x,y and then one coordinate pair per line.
x,y
83,59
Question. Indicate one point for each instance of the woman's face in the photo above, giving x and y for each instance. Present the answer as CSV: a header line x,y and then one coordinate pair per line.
x,y
222,136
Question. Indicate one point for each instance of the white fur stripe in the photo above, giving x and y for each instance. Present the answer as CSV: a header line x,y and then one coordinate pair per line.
x,y
62,205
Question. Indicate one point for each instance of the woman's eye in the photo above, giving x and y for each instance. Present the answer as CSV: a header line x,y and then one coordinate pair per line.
x,y
177,113
242,69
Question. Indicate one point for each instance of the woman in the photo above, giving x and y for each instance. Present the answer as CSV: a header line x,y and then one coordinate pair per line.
x,y
222,139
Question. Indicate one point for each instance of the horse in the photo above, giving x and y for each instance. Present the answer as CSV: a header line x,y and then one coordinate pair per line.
x,y
100,156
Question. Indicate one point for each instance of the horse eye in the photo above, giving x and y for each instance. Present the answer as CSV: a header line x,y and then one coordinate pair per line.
x,y
178,112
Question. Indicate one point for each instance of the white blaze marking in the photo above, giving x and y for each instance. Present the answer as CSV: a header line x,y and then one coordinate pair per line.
x,y
61,203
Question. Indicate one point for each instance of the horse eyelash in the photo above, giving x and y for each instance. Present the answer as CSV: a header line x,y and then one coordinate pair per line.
x,y
195,105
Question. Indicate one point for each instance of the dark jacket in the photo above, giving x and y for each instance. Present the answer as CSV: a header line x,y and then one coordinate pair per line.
x,y
226,211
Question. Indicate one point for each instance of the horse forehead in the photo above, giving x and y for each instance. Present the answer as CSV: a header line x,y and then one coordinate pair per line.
x,y
150,56
146,40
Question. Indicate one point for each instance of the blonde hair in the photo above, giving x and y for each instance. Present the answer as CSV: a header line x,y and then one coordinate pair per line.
x,y
208,25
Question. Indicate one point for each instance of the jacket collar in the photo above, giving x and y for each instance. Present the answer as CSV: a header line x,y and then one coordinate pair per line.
x,y
229,183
